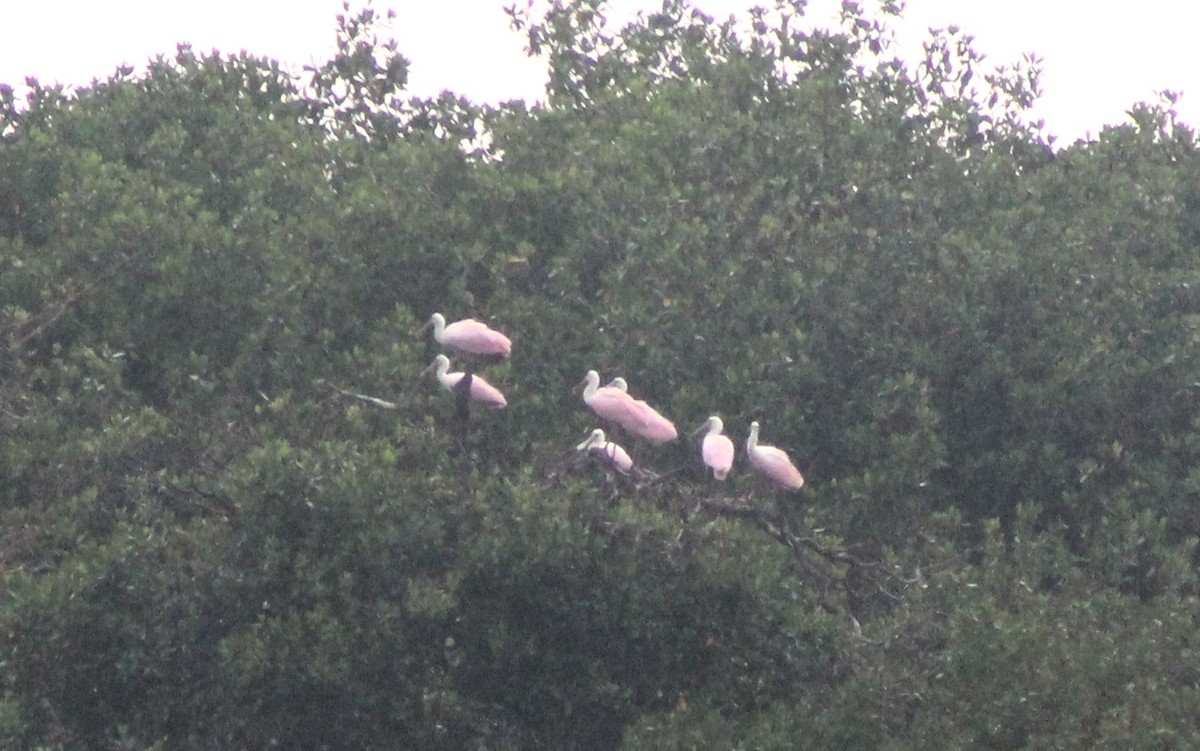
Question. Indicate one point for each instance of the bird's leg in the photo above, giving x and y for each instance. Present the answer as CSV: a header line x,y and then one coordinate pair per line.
x,y
462,409
462,393
614,491
750,493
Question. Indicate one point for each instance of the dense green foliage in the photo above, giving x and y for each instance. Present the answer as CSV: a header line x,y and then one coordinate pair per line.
x,y
982,352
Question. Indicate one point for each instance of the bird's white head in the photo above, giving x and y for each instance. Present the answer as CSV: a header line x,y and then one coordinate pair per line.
x,y
752,441
589,384
712,425
619,384
597,438
434,322
441,364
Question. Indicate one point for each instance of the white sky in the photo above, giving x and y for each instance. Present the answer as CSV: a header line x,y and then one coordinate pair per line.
x,y
1096,63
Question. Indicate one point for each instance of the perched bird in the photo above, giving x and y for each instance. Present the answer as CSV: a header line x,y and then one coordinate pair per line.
x,y
772,462
599,447
634,415
716,449
608,402
478,390
469,336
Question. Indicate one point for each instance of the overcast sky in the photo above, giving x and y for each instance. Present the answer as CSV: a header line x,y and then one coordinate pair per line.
x,y
1098,58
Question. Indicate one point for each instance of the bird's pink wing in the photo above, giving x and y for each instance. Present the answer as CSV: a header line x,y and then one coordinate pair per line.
x,y
613,455
717,451
646,422
612,405
776,465
477,338
485,393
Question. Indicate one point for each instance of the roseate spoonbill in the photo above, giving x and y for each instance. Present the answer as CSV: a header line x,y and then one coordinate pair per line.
x,y
469,336
608,402
716,449
481,392
634,415
619,384
772,462
599,447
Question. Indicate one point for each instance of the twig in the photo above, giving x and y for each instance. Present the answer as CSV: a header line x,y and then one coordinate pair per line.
x,y
364,397
776,525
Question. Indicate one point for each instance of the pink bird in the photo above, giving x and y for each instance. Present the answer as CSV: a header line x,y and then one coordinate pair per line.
x,y
716,449
469,336
772,462
608,402
612,455
482,392
634,415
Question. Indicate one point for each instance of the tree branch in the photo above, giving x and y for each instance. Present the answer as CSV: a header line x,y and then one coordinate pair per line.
x,y
364,397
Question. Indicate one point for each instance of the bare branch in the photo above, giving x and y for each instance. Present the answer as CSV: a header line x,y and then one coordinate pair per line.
x,y
364,397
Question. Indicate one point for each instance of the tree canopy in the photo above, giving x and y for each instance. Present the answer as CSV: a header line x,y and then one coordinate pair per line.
x,y
234,515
